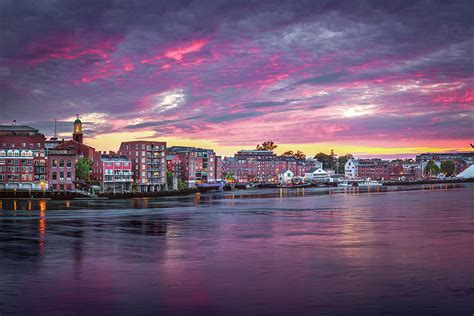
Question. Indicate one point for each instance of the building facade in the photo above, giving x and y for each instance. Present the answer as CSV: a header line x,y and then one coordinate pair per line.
x,y
117,173
62,170
265,165
21,149
198,165
148,164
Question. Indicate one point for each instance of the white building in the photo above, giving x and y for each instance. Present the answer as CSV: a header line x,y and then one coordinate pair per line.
x,y
316,174
285,176
350,168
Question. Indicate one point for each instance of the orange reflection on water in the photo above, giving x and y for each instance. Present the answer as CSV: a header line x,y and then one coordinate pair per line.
x,y
42,226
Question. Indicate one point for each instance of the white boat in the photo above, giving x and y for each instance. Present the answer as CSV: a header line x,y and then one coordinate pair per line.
x,y
370,183
344,184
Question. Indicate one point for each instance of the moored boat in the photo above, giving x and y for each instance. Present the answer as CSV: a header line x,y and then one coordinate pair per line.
x,y
369,183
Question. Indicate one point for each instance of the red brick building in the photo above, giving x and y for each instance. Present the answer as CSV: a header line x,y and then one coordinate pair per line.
x,y
62,169
148,164
117,173
264,165
198,165
21,149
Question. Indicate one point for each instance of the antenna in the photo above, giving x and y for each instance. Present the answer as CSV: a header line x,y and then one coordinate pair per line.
x,y
55,127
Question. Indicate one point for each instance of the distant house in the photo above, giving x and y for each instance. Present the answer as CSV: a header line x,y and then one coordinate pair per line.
x,y
316,174
350,169
285,176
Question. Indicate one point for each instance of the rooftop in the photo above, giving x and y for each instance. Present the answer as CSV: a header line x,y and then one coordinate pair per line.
x,y
17,128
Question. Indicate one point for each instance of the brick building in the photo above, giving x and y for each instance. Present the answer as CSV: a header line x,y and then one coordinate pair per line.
x,y
198,165
117,173
148,164
62,169
265,166
21,149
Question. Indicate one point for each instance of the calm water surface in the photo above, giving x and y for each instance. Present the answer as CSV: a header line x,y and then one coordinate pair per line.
x,y
263,252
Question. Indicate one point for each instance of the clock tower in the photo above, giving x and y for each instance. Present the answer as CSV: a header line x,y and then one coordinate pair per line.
x,y
77,133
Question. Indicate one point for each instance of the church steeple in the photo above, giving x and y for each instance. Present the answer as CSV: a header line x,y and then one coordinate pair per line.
x,y
77,132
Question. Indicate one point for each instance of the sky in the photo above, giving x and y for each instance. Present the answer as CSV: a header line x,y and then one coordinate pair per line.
x,y
372,78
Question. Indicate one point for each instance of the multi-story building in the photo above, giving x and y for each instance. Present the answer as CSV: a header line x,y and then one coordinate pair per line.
x,y
461,160
377,169
218,168
62,169
117,173
197,164
21,148
148,164
265,166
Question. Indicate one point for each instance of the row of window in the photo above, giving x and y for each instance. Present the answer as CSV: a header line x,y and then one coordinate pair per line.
x,y
54,176
54,163
16,162
22,145
147,147
16,177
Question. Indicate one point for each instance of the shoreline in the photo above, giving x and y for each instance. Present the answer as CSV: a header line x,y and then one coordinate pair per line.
x,y
188,192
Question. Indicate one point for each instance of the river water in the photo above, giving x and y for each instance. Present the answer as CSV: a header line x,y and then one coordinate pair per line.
x,y
266,252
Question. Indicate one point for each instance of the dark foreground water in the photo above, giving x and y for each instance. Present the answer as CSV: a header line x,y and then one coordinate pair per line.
x,y
243,253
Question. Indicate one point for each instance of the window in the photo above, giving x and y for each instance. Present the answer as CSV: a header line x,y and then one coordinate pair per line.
x,y
23,145
53,176
54,163
61,162
143,146
2,161
61,176
69,175
69,163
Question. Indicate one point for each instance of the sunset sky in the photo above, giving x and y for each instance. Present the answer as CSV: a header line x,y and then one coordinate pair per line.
x,y
370,78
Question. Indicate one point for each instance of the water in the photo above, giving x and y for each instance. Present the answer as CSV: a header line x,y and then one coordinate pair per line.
x,y
262,252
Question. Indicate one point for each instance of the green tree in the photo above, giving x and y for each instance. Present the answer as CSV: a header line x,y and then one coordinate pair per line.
x,y
288,153
341,160
268,145
83,169
181,185
448,167
299,155
169,178
327,160
229,176
431,168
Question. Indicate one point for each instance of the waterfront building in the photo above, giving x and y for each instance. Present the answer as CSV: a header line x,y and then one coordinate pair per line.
x,y
218,169
265,166
318,174
375,169
148,164
117,173
285,176
461,160
21,149
62,169
197,165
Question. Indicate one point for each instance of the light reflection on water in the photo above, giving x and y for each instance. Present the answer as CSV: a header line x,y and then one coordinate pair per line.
x,y
308,251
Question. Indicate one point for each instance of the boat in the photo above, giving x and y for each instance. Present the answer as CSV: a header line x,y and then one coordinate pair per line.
x,y
344,184
369,183
294,186
218,186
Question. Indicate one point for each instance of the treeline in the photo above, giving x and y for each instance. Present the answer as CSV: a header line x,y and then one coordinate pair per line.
x,y
330,161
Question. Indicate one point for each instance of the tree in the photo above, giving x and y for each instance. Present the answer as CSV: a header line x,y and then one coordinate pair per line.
x,y
342,162
229,176
448,167
83,168
299,155
268,145
431,168
169,178
327,160
288,153
181,185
